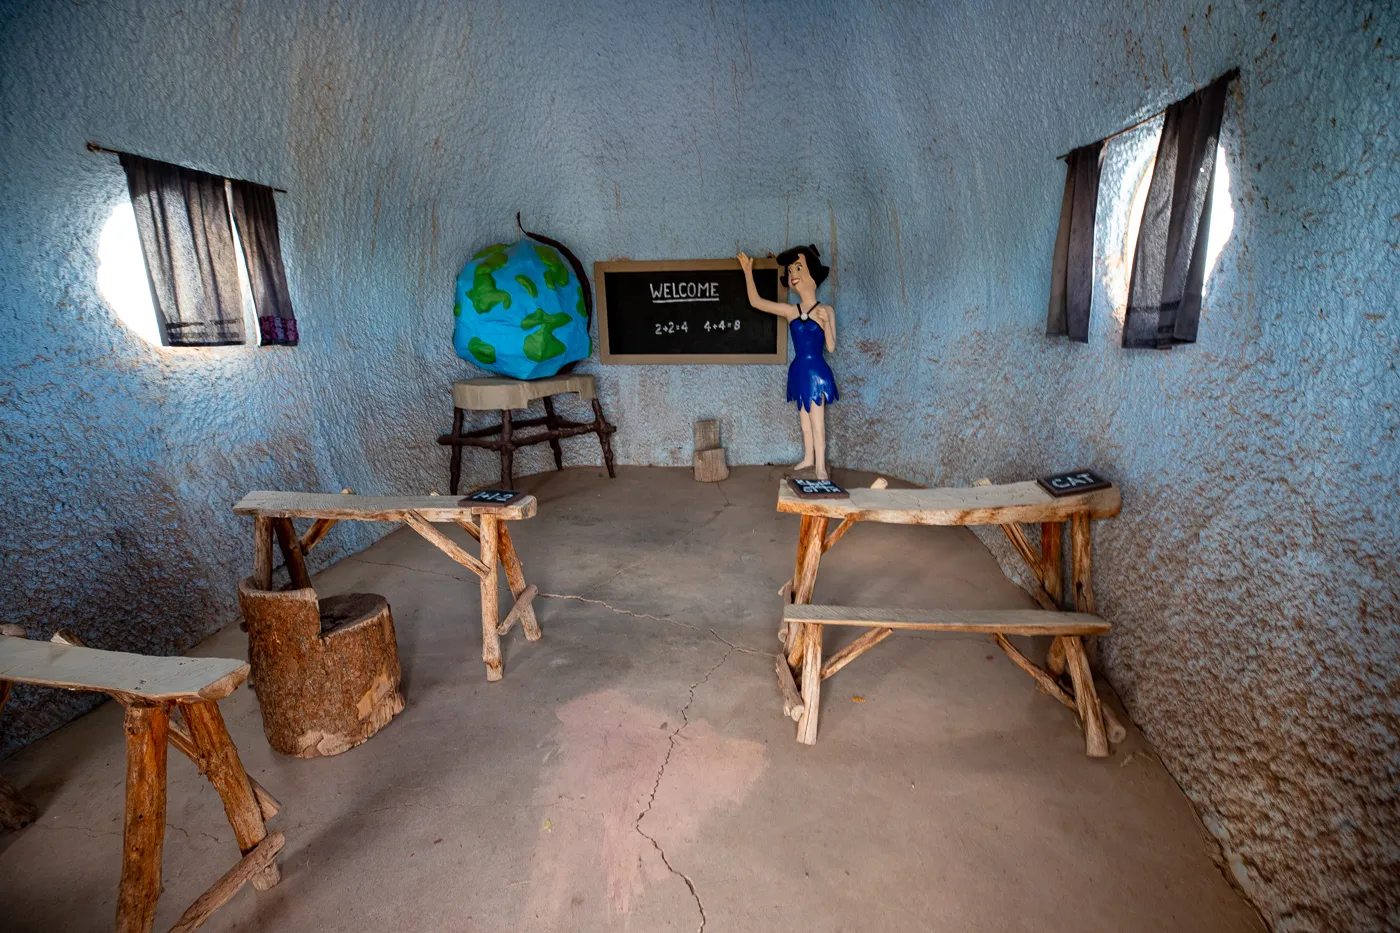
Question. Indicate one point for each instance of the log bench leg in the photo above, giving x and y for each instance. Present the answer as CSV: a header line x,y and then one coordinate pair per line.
x,y
218,760
604,432
290,544
490,607
507,450
1086,698
515,576
455,474
144,831
551,422
811,682
810,536
262,552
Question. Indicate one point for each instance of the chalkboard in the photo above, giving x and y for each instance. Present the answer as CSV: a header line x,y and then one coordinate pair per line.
x,y
502,497
1072,483
688,311
817,488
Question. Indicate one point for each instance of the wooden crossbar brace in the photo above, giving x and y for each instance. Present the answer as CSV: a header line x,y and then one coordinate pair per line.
x,y
251,865
854,650
522,603
445,544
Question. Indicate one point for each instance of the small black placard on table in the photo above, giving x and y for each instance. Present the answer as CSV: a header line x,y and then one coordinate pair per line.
x,y
817,488
1073,482
502,497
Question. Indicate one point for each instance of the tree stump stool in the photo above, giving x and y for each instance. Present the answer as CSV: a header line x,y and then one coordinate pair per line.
x,y
503,395
326,671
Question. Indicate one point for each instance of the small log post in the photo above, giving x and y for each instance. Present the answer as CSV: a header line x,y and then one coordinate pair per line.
x,y
290,545
262,552
144,831
490,595
792,700
218,760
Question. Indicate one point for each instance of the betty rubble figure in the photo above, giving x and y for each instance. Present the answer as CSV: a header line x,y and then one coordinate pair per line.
x,y
812,324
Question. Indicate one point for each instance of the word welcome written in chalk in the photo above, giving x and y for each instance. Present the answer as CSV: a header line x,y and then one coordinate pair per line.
x,y
671,292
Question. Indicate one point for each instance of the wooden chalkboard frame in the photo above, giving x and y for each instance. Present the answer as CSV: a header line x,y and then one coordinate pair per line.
x,y
681,265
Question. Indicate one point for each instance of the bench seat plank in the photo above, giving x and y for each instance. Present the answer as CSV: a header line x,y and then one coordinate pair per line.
x,y
950,505
1005,621
156,679
345,507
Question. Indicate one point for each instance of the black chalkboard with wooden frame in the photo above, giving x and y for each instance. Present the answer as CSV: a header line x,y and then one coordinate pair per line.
x,y
687,311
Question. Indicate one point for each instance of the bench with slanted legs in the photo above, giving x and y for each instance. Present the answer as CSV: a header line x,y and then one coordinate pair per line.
x,y
150,688
984,504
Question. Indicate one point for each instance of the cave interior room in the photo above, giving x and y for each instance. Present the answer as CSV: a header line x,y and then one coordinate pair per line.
x,y
715,466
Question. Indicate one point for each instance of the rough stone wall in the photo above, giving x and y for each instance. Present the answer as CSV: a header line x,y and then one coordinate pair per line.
x,y
1251,579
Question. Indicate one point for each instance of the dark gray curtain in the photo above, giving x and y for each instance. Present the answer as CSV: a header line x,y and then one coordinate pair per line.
x,y
1072,277
1164,295
255,212
182,218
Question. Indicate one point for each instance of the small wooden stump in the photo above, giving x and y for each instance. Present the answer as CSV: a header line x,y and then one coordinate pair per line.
x,y
326,671
708,459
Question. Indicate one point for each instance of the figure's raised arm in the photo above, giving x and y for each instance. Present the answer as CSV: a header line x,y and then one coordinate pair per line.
x,y
785,311
826,317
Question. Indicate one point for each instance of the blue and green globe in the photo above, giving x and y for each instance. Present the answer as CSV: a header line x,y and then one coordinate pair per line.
x,y
520,311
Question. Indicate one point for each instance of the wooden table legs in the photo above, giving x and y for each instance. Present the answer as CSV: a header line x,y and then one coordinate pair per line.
x,y
219,762
490,593
503,438
804,642
144,833
147,732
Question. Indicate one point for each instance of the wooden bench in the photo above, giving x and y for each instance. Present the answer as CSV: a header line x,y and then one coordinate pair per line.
x,y
273,513
982,504
149,688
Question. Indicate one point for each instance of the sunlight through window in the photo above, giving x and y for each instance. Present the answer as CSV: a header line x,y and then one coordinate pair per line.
x,y
121,274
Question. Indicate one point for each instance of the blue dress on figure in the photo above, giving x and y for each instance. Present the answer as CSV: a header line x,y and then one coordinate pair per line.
x,y
810,381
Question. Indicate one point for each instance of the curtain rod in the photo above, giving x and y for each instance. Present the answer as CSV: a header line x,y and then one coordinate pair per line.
x,y
94,147
1230,75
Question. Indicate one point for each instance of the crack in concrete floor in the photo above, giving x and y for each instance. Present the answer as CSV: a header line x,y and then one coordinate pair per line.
x,y
661,772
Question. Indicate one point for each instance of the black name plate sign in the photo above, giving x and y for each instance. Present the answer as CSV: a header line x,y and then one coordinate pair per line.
x,y
492,497
1073,482
817,488
688,311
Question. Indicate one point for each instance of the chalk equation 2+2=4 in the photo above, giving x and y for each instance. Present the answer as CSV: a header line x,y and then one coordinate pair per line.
x,y
683,327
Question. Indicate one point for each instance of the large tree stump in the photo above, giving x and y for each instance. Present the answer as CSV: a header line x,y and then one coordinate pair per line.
x,y
326,671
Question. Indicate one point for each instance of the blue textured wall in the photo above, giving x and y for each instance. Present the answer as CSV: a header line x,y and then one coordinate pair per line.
x,y
1251,578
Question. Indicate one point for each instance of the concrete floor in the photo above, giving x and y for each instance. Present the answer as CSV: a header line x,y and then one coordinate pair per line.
x,y
634,772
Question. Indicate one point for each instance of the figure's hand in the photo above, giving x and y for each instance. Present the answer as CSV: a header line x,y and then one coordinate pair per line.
x,y
745,262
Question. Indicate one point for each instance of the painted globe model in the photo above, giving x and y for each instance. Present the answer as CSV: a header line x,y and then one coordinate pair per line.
x,y
520,311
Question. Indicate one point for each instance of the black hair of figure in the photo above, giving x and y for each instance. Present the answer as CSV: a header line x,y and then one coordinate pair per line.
x,y
815,269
